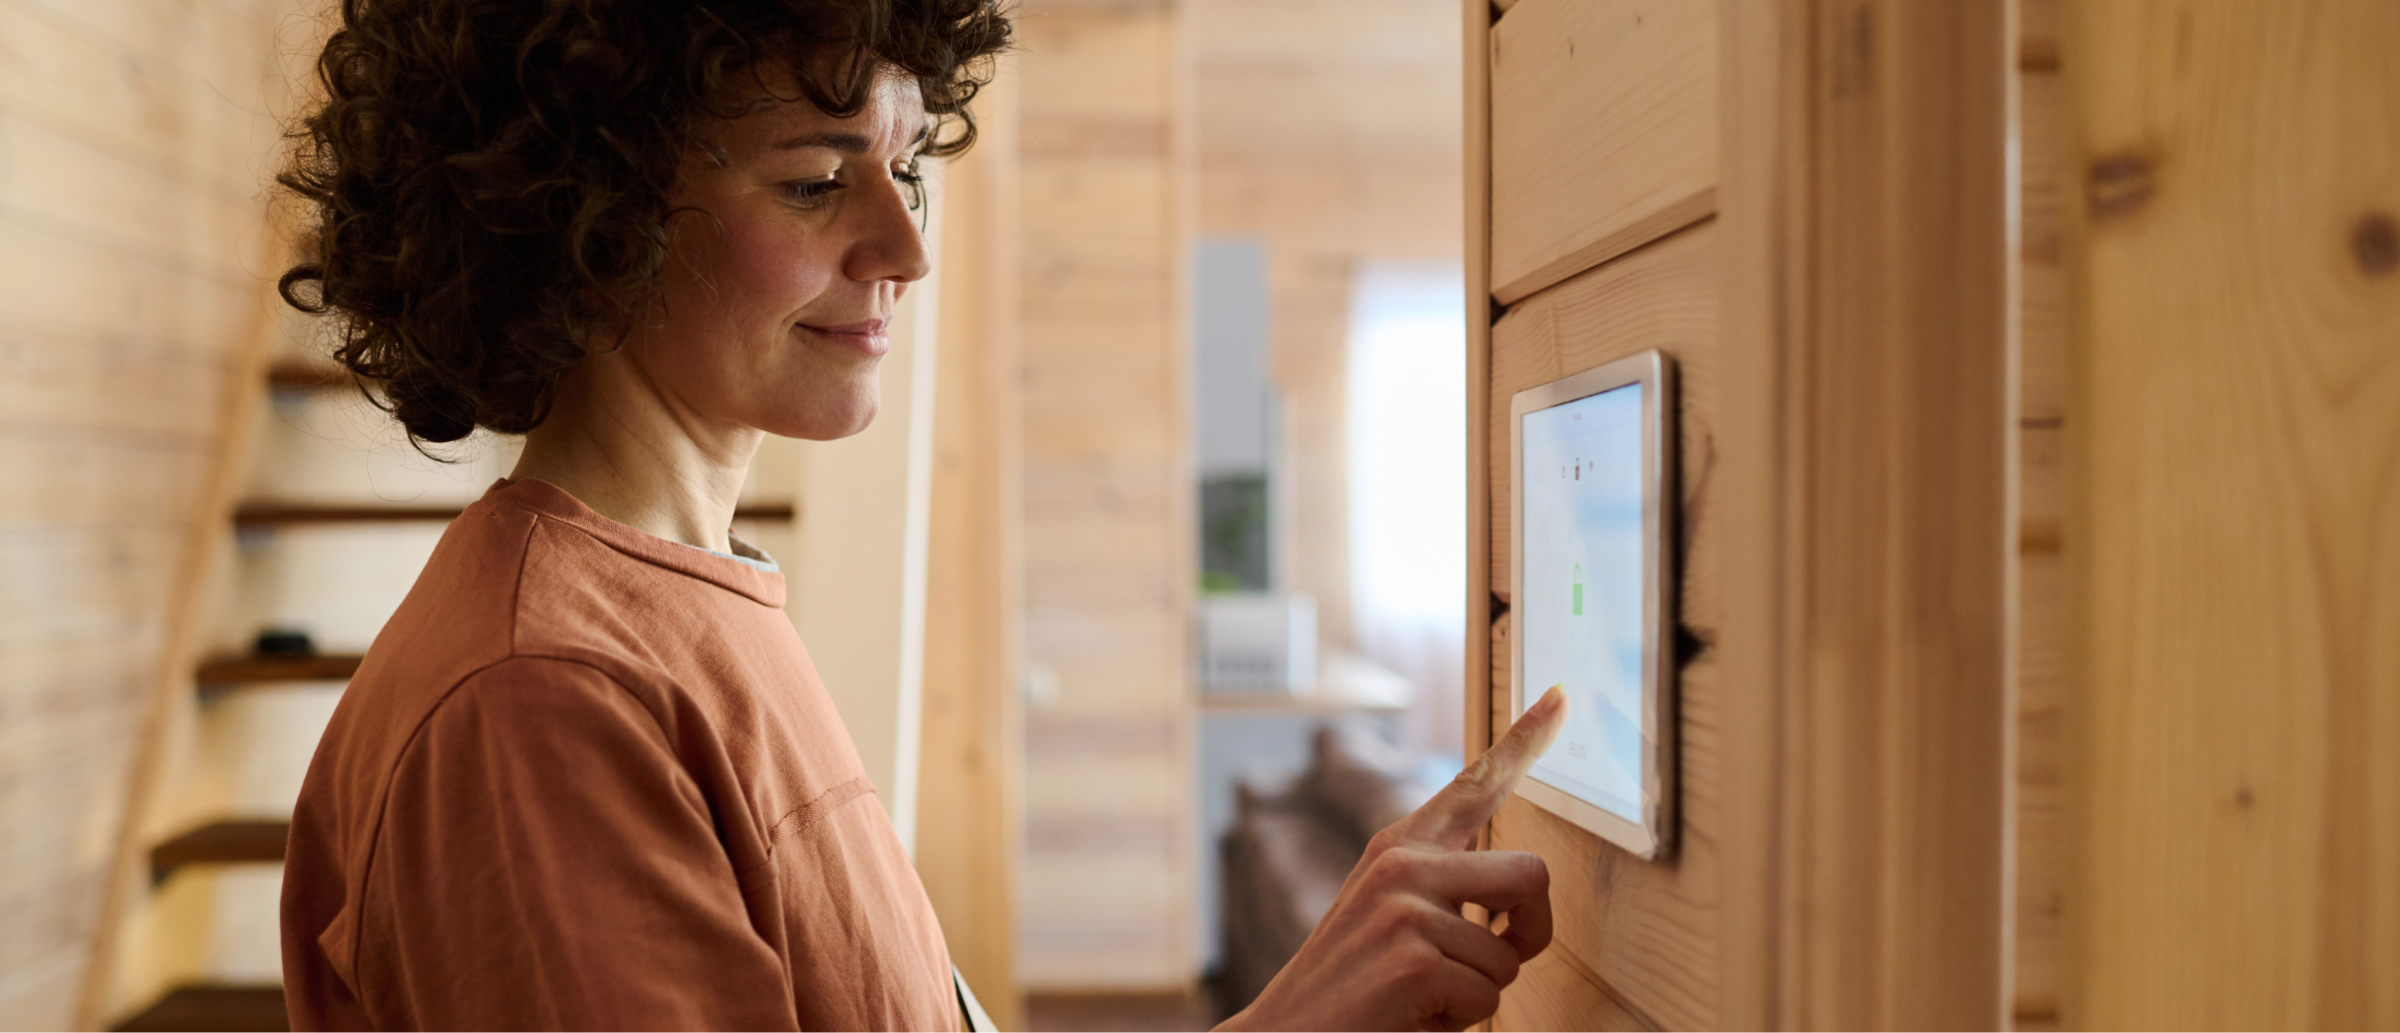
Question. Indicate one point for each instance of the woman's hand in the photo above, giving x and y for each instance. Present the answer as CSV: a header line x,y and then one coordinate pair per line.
x,y
1395,952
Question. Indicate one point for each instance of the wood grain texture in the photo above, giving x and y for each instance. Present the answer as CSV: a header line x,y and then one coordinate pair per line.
x,y
1108,495
2236,416
2038,676
1648,929
130,248
1483,696
1603,132
970,811
1665,297
1864,443
1553,992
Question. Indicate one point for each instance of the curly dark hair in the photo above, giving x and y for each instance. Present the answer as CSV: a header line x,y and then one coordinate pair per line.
x,y
487,180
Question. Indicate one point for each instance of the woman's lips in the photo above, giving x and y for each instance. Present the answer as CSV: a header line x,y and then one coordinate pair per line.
x,y
870,336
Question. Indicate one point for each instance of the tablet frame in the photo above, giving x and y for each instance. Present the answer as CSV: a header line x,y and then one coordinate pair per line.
x,y
1652,837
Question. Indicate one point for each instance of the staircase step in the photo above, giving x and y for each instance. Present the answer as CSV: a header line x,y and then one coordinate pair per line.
x,y
227,670
221,842
206,1006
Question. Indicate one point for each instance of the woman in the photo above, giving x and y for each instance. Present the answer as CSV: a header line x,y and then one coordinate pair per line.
x,y
587,777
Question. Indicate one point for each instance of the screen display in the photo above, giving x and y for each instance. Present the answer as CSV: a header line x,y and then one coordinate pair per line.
x,y
1581,615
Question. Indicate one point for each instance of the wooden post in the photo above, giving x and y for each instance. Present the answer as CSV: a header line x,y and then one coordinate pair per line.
x,y
1868,343
970,817
2234,544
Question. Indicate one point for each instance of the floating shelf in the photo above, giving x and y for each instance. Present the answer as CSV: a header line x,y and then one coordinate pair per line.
x,y
221,842
277,514
213,1006
227,670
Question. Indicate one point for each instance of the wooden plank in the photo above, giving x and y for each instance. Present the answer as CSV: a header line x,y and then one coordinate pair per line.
x,y
2236,448
1484,696
1603,133
1864,446
2041,610
1649,929
1664,297
2041,276
1553,992
221,842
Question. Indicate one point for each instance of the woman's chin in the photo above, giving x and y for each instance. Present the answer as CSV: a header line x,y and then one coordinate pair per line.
x,y
830,419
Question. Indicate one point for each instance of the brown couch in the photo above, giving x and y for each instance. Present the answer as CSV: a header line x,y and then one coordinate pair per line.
x,y
1291,846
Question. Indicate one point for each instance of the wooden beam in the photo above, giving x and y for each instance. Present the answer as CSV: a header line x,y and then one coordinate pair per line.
x,y
2234,545
1865,201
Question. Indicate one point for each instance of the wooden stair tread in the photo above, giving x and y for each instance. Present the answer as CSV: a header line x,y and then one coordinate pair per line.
x,y
297,373
226,670
272,514
213,1006
243,841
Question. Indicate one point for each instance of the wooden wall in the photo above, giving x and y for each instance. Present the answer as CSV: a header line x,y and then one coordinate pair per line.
x,y
1107,896
2234,544
132,139
1806,205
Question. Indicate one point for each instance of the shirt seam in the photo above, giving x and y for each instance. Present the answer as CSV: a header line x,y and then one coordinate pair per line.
x,y
540,516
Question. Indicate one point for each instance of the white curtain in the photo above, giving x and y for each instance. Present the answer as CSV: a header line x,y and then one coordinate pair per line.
x,y
1407,448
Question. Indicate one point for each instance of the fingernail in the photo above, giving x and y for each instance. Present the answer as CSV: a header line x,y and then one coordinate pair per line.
x,y
1550,701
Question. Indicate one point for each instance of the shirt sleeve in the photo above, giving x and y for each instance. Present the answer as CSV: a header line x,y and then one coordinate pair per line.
x,y
545,862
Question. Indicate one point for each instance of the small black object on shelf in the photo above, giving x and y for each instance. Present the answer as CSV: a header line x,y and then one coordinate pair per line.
x,y
284,642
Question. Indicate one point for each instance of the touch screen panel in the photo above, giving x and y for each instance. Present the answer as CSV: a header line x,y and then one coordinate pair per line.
x,y
1581,612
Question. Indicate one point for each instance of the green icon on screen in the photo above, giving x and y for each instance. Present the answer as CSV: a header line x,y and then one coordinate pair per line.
x,y
1579,590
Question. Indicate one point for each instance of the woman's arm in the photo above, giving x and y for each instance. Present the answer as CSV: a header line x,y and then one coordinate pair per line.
x,y
1394,952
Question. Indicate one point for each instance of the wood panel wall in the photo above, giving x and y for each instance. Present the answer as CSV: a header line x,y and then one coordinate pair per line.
x,y
1844,320
1107,901
2235,542
131,251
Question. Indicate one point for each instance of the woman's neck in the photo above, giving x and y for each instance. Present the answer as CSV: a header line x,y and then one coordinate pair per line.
x,y
623,447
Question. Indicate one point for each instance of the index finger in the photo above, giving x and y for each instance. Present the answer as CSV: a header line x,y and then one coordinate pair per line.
x,y
1450,819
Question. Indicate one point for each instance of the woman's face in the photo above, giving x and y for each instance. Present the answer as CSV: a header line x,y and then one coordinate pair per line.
x,y
782,276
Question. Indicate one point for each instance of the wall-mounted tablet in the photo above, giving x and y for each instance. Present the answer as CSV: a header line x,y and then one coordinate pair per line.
x,y
1592,598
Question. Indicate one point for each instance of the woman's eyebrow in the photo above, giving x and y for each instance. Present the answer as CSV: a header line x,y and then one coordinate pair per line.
x,y
840,141
846,143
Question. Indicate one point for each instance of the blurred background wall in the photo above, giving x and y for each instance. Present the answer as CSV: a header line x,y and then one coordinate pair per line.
x,y
134,138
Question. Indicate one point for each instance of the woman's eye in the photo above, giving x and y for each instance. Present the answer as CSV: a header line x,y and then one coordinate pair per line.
x,y
808,193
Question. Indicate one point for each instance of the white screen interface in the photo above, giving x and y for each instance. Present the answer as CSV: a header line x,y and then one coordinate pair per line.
x,y
1581,617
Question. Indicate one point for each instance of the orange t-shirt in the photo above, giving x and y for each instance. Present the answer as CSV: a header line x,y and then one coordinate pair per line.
x,y
588,778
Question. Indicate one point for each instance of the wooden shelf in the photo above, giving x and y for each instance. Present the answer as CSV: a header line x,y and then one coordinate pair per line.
x,y
221,842
294,373
228,670
252,515
213,1006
